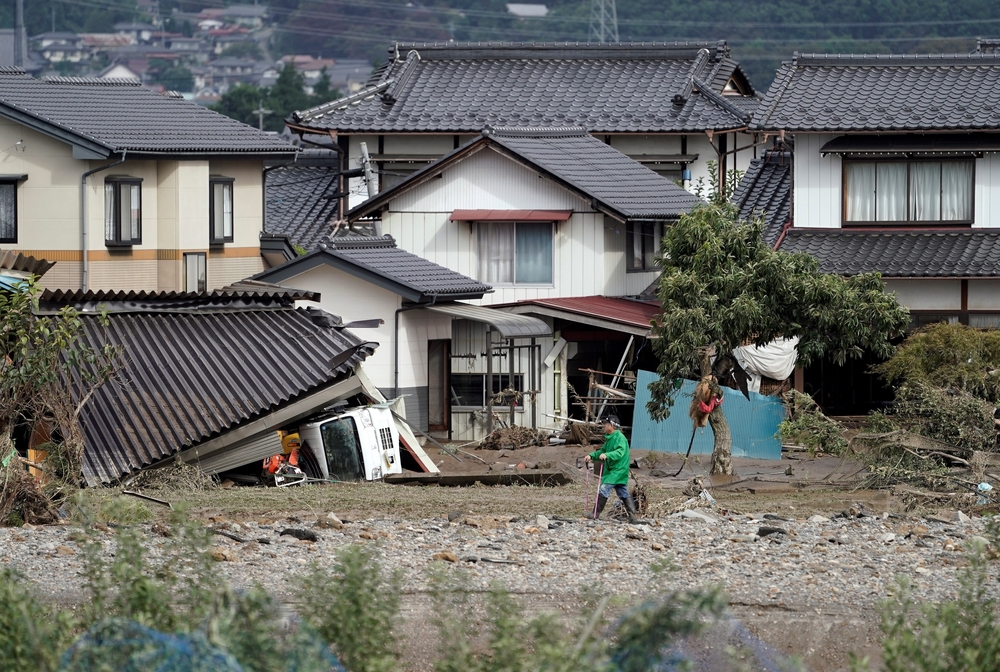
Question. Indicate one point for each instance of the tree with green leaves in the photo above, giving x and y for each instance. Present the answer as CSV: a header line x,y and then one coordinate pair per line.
x,y
240,102
722,287
245,49
172,77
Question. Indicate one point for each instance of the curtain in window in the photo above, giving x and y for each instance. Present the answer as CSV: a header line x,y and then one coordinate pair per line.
x,y
956,190
496,252
925,191
652,233
222,210
194,272
8,212
860,192
534,253
890,192
109,211
984,321
633,243
135,199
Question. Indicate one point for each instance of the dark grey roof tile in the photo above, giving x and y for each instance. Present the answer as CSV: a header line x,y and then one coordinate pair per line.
x,y
461,88
903,254
192,375
381,256
598,170
766,190
118,114
883,93
298,203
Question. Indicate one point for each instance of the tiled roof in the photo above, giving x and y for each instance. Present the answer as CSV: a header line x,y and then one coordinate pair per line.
x,y
605,88
574,158
192,375
825,92
380,262
988,45
903,254
299,204
766,190
118,114
599,171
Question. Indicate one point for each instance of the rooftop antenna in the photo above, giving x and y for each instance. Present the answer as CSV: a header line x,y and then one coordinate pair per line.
x,y
260,112
603,21
19,34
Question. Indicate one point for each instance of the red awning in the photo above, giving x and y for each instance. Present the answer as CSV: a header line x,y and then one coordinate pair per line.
x,y
510,215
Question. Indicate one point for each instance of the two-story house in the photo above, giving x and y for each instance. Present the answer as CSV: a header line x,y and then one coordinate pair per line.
x,y
560,225
896,171
128,189
672,107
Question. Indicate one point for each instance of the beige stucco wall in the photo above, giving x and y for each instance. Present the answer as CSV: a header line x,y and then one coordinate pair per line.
x,y
175,215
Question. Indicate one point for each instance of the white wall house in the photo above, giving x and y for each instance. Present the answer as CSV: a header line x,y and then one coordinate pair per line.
x,y
901,177
672,107
413,309
539,215
126,189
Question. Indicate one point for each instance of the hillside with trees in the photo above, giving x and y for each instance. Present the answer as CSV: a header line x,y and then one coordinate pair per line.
x,y
761,34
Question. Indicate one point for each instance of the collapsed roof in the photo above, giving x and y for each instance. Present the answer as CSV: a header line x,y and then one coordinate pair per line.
x,y
606,88
197,367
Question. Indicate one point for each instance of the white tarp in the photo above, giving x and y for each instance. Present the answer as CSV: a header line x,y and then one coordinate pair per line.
x,y
775,360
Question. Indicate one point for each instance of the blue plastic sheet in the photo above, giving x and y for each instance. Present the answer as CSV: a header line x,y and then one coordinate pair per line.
x,y
753,423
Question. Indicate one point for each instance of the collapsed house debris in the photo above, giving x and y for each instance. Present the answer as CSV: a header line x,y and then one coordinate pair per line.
x,y
211,378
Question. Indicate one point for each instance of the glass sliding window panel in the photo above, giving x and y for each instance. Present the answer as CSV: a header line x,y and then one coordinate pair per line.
x,y
984,321
496,252
890,192
925,191
861,192
956,191
651,245
222,211
194,272
110,230
134,212
633,244
8,212
534,253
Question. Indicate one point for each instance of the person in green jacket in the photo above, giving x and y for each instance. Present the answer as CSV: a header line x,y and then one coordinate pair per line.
x,y
615,455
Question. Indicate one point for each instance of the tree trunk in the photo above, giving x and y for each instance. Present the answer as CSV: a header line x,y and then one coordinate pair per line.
x,y
722,452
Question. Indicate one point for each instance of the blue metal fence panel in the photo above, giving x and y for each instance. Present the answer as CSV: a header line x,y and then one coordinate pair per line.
x,y
753,423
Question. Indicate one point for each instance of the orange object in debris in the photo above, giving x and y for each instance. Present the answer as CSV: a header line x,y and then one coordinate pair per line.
x,y
273,463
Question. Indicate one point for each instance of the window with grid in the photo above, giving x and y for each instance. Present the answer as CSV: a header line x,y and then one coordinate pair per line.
x,y
220,210
900,192
122,211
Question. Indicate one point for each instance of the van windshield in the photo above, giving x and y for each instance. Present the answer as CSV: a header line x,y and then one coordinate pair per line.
x,y
342,448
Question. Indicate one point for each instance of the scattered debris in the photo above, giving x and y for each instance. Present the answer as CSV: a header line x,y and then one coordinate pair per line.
x,y
299,533
511,438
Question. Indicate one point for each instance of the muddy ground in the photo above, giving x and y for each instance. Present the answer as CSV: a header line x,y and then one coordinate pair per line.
x,y
797,486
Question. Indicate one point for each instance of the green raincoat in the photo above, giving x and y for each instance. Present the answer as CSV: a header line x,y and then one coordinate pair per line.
x,y
616,466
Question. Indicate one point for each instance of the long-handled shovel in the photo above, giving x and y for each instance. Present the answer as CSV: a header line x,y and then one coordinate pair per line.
x,y
694,428
597,493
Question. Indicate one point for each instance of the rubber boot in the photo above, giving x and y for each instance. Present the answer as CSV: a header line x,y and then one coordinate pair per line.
x,y
601,501
630,509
